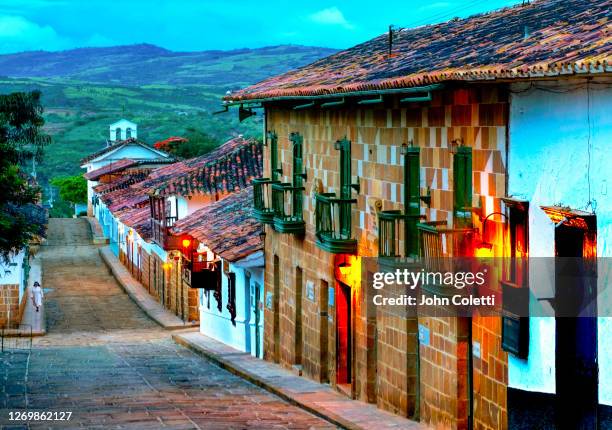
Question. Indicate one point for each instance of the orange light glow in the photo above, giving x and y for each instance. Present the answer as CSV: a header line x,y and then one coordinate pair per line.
x,y
483,252
166,265
186,243
349,271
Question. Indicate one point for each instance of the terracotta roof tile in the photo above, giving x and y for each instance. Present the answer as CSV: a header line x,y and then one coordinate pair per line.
x,y
228,168
543,38
115,166
138,218
122,181
227,226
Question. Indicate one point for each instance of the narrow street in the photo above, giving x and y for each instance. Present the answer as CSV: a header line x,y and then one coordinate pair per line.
x,y
108,364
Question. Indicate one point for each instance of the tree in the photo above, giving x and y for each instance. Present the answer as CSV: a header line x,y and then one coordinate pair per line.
x,y
194,144
72,189
21,140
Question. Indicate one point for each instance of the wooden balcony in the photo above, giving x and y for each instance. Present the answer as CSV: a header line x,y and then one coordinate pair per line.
x,y
262,200
160,234
287,203
333,224
397,234
439,244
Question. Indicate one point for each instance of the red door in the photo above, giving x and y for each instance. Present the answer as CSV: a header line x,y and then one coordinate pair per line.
x,y
344,338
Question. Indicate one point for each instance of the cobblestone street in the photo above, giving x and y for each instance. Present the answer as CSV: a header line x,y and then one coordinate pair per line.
x,y
108,364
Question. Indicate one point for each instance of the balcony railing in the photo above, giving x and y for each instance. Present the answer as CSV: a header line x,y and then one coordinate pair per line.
x,y
396,229
262,199
439,244
160,232
333,223
287,203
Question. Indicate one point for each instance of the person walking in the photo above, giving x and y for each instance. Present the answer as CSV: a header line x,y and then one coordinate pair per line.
x,y
37,296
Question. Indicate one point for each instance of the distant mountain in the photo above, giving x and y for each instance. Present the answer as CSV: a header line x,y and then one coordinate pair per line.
x,y
149,64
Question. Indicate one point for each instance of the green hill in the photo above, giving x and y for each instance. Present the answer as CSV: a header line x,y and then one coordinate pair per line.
x,y
166,93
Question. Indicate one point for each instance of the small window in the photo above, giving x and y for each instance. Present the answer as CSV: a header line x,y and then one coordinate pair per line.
x,y
128,133
118,133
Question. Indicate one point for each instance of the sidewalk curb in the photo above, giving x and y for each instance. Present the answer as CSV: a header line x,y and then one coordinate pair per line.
x,y
255,380
97,239
132,293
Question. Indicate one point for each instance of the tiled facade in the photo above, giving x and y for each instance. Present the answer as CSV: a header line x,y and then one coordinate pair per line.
x,y
384,355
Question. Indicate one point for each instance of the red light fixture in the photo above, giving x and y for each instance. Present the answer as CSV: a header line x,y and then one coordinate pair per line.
x,y
186,243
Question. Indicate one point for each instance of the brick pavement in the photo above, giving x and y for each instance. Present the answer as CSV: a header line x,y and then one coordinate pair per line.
x,y
312,396
109,364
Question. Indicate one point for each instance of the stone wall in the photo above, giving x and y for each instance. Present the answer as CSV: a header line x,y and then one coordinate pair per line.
x,y
9,305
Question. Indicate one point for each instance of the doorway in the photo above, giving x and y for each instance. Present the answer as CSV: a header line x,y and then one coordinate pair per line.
x,y
297,359
576,373
344,338
323,327
257,311
276,309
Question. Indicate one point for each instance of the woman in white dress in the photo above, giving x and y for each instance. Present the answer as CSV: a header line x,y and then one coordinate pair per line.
x,y
37,296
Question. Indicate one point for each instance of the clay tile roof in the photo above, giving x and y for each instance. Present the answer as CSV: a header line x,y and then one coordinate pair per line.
x,y
122,181
138,218
227,226
112,167
118,145
228,168
543,38
123,198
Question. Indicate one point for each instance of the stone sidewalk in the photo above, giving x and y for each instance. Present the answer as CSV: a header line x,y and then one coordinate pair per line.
x,y
318,399
141,296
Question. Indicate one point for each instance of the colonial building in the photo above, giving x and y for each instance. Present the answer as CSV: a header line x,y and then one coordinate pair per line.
x,y
222,251
399,147
119,147
138,202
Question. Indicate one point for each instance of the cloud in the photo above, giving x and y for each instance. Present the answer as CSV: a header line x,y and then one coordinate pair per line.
x,y
331,16
18,34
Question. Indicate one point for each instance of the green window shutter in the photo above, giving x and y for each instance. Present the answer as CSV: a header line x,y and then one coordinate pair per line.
x,y
462,171
273,155
298,165
344,145
298,174
412,182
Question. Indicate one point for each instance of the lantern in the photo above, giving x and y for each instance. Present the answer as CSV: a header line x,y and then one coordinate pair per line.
x,y
186,243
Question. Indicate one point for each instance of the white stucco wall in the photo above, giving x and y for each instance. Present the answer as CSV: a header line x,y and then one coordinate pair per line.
x,y
218,325
123,124
559,148
12,273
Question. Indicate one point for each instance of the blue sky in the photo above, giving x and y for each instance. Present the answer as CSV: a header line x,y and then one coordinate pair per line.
x,y
191,25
